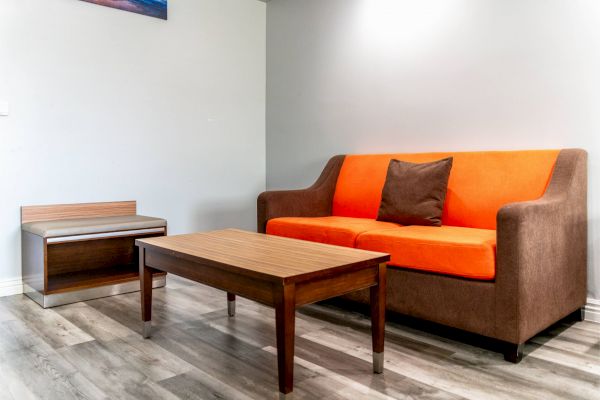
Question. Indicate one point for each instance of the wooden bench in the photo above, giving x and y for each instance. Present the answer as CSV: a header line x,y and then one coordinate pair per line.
x,y
78,252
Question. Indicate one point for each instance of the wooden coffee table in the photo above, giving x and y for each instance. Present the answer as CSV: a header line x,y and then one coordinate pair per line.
x,y
278,272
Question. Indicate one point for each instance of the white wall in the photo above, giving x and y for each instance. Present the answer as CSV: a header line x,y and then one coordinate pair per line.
x,y
109,105
402,75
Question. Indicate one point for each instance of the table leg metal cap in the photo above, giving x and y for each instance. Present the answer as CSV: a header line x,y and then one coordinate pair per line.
x,y
378,363
286,396
231,308
147,329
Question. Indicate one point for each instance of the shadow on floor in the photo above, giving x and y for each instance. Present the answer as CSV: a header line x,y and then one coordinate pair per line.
x,y
345,307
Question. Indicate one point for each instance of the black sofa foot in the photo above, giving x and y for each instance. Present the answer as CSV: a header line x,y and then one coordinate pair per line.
x,y
578,315
514,352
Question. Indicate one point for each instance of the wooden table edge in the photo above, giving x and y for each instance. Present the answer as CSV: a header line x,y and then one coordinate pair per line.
x,y
320,274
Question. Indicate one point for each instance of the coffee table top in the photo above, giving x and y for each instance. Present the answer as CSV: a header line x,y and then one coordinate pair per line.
x,y
265,256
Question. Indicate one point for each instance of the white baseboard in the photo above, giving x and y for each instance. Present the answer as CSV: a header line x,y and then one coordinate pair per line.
x,y
592,310
9,287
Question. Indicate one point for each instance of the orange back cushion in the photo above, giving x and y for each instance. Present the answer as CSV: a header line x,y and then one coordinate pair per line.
x,y
480,183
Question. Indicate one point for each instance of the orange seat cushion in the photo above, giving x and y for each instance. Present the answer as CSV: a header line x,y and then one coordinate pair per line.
x,y
341,231
480,183
450,250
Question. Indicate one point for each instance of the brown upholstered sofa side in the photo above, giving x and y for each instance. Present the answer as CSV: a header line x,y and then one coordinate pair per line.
x,y
315,201
542,253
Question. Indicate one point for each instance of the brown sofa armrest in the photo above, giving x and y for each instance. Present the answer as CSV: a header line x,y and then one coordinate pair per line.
x,y
541,271
315,201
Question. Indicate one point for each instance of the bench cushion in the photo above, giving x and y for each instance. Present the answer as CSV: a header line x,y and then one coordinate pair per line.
x,y
449,250
341,231
84,226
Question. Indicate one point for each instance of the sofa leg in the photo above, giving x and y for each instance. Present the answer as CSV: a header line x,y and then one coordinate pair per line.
x,y
514,352
578,315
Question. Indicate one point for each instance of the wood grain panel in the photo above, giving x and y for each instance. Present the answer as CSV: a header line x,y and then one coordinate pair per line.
x,y
72,211
90,279
90,255
263,256
91,263
257,290
322,289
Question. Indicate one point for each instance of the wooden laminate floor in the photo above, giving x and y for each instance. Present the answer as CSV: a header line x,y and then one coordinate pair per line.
x,y
93,350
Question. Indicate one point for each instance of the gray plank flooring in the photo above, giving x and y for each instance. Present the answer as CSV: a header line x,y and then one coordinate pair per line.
x,y
93,350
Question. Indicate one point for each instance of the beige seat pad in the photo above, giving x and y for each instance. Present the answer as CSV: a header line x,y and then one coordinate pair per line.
x,y
84,226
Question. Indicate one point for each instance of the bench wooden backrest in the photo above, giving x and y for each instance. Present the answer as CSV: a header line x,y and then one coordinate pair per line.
x,y
72,211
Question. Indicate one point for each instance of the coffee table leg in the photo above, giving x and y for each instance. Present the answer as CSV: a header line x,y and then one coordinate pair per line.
x,y
231,304
378,319
285,320
146,293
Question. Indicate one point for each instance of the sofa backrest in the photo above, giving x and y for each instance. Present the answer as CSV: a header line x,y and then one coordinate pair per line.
x,y
480,183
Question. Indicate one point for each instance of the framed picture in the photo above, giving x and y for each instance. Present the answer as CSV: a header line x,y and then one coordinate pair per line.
x,y
152,8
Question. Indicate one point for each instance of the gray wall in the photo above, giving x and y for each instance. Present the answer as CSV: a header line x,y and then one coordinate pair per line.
x,y
110,105
350,76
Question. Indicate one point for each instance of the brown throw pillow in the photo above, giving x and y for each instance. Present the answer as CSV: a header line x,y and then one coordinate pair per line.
x,y
414,194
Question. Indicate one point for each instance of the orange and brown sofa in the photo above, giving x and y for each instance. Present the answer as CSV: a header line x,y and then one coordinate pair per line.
x,y
508,261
